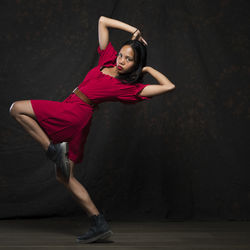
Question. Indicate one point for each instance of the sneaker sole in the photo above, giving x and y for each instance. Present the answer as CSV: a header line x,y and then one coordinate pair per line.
x,y
105,237
65,167
98,237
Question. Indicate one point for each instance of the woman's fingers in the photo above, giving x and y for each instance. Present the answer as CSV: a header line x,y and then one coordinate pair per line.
x,y
142,40
137,36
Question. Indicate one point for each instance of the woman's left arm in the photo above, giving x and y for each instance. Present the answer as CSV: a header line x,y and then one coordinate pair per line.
x,y
164,84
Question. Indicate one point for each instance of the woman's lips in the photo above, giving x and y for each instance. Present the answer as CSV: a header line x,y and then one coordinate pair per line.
x,y
119,67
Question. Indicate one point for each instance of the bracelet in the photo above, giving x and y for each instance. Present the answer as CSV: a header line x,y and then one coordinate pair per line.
x,y
134,32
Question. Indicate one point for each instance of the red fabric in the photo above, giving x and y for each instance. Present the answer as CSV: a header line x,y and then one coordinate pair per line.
x,y
70,120
65,121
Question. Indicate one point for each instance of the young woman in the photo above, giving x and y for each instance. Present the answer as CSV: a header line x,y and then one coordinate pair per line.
x,y
62,127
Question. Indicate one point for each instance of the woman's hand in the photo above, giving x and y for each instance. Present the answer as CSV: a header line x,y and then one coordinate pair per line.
x,y
137,36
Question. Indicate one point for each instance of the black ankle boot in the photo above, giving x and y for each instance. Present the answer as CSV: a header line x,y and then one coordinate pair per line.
x,y
58,154
99,230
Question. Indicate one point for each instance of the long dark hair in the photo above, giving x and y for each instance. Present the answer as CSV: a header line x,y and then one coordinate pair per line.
x,y
140,57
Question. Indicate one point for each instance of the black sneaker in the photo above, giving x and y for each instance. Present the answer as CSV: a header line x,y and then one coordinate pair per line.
x,y
58,153
99,230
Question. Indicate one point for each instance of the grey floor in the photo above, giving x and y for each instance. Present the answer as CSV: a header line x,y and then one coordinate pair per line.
x,y
60,233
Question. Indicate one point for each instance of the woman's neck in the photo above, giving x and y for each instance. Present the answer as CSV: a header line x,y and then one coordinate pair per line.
x,y
114,71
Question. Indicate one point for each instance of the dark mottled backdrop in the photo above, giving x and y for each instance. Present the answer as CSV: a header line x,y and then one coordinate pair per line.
x,y
184,154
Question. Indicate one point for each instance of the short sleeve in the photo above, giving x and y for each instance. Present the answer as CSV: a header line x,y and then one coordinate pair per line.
x,y
108,55
131,93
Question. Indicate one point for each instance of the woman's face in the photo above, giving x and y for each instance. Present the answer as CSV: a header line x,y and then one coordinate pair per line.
x,y
125,59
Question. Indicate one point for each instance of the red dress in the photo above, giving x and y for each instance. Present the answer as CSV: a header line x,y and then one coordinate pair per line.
x,y
70,119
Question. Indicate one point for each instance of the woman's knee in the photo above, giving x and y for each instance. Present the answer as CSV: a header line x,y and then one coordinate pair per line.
x,y
14,108
22,107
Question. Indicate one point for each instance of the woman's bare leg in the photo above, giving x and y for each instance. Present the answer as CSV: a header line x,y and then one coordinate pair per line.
x,y
23,112
78,191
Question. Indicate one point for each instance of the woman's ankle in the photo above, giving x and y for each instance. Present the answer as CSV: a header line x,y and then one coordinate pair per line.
x,y
90,214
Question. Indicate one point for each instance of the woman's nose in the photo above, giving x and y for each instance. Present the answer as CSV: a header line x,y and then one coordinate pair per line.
x,y
122,61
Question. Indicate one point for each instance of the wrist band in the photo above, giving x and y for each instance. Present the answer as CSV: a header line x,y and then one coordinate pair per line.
x,y
134,32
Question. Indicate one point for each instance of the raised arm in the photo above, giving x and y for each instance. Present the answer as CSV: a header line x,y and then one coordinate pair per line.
x,y
164,84
103,32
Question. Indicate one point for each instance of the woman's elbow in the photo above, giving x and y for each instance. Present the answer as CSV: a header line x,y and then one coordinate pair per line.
x,y
170,87
173,86
101,18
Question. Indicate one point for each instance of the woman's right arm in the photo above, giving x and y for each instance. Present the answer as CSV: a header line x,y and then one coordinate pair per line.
x,y
164,84
103,32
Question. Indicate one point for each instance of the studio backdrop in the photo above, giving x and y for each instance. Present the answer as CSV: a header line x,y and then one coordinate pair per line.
x,y
181,155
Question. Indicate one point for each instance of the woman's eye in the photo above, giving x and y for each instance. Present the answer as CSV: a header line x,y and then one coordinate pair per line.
x,y
128,59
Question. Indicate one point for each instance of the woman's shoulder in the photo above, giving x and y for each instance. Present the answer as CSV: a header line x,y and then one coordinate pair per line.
x,y
108,55
108,48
